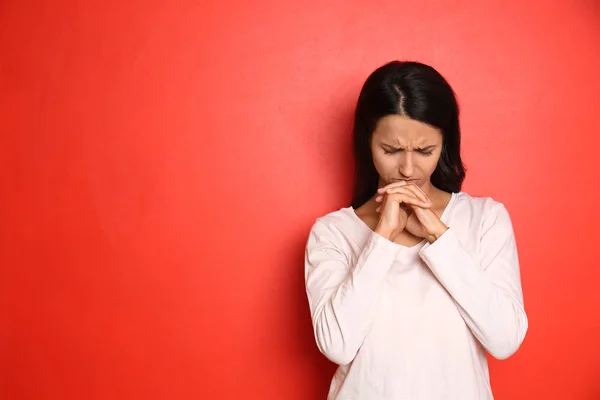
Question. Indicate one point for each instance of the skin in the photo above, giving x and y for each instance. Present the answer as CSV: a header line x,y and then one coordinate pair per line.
x,y
407,207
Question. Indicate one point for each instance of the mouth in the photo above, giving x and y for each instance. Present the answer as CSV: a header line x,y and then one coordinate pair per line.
x,y
405,180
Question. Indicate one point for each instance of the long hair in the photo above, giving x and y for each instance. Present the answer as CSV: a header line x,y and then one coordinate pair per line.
x,y
416,91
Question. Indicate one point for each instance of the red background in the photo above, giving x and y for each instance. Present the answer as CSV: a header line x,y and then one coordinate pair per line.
x,y
162,162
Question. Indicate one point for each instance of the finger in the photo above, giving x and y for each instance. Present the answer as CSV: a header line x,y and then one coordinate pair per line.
x,y
380,196
409,199
414,188
420,209
383,201
408,196
395,184
425,216
422,191
417,192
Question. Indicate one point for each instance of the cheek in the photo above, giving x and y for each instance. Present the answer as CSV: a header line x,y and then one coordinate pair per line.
x,y
431,163
385,165
425,166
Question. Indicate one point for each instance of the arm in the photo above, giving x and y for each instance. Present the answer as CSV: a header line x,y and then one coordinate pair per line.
x,y
488,294
341,296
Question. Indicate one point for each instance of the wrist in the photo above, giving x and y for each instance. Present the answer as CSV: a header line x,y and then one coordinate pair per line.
x,y
436,234
386,232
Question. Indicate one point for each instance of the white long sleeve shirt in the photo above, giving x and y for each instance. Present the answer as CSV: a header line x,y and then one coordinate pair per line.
x,y
413,323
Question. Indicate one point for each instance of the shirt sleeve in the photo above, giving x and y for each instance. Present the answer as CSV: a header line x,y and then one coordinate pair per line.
x,y
342,296
487,293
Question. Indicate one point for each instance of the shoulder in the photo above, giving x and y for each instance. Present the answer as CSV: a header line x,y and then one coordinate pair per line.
x,y
342,229
480,212
477,205
337,221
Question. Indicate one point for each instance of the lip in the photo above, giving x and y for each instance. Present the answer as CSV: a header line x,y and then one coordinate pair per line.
x,y
405,180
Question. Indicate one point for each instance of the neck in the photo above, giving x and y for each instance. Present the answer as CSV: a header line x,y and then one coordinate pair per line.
x,y
430,190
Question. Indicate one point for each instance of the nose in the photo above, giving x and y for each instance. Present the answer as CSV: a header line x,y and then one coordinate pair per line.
x,y
406,165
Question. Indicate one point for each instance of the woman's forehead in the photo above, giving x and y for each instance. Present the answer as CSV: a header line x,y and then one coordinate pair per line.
x,y
401,130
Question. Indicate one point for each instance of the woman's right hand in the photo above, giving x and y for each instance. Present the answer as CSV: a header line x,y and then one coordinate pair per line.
x,y
392,215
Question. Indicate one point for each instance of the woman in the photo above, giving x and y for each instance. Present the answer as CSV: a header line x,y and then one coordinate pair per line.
x,y
411,285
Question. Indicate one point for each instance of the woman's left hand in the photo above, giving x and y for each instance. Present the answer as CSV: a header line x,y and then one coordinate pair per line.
x,y
422,222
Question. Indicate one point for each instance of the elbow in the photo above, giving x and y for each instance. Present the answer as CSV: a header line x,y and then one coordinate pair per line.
x,y
334,346
338,356
504,351
507,344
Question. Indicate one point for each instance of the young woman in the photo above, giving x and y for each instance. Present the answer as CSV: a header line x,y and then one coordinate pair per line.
x,y
411,285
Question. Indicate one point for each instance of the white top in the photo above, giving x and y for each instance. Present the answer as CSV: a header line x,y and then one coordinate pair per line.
x,y
413,323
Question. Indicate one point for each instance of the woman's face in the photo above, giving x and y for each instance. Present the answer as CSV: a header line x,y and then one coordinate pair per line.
x,y
405,149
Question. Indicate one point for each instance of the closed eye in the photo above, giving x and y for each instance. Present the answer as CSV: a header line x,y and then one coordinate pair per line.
x,y
391,151
426,151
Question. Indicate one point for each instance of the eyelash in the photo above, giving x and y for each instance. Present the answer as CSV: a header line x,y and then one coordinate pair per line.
x,y
425,153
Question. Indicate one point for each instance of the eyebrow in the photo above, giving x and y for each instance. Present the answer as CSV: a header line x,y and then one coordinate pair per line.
x,y
426,148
